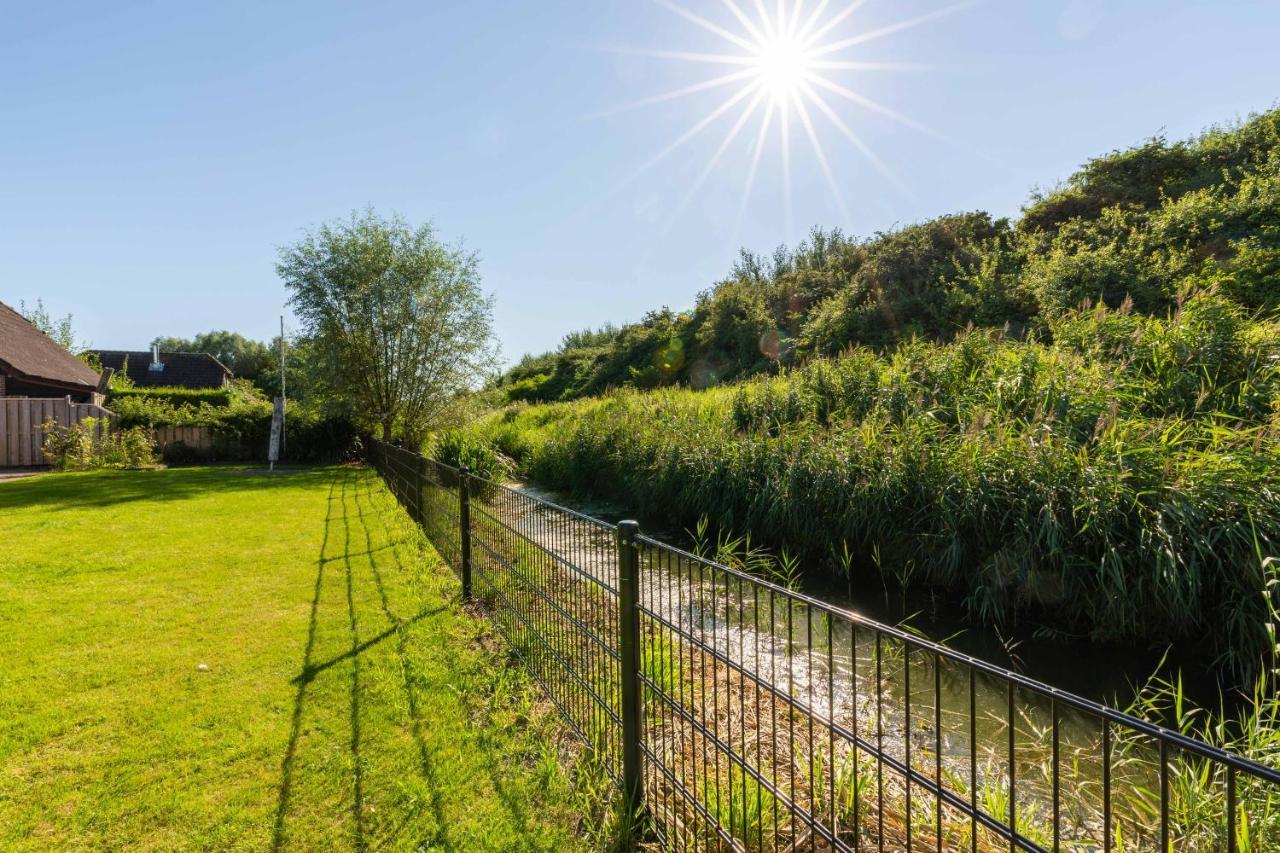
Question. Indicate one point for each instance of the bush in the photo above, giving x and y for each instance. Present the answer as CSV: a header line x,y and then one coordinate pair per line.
x,y
217,397
79,448
1138,227
461,451
181,453
1121,481
242,427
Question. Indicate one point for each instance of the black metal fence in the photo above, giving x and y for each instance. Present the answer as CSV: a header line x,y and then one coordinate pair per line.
x,y
744,715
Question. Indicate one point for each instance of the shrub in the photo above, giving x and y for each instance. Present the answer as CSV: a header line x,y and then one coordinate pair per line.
x,y
242,427
1120,481
1138,227
217,397
181,453
78,447
462,451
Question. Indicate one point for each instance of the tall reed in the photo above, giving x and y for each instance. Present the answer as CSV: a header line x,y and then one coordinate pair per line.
x,y
1122,481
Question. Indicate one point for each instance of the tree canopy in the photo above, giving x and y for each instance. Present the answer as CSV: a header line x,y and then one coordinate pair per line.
x,y
398,323
245,357
59,329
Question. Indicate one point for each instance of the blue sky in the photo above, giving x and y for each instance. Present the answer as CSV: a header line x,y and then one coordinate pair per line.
x,y
155,155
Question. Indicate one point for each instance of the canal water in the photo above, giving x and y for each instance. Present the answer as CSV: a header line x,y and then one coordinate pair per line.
x,y
907,701
1108,674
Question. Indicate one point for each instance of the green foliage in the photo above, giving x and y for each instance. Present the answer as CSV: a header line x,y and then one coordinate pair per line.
x,y
463,451
399,324
246,358
175,396
1074,416
911,282
1197,788
240,419
1115,479
81,448
59,329
1142,228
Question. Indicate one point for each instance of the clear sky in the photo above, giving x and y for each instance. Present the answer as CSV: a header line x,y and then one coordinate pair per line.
x,y
153,156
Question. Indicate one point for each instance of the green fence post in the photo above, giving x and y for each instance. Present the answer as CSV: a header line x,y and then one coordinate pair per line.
x,y
464,522
629,662
420,499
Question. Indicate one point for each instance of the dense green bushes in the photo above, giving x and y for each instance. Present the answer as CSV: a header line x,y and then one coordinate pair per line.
x,y
240,420
1122,481
1142,228
1074,416
82,447
182,396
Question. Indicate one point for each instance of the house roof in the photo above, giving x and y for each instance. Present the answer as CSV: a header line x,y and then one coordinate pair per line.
x,y
181,369
27,352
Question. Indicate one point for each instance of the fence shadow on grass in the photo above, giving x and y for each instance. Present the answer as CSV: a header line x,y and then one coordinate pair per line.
x,y
342,491
295,728
344,505
408,669
511,802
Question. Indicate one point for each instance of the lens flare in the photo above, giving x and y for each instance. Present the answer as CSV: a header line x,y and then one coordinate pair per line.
x,y
790,55
774,344
670,358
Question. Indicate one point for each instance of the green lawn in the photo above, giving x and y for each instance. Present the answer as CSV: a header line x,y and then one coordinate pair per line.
x,y
348,700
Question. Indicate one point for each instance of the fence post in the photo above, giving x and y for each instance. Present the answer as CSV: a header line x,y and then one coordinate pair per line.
x,y
464,522
419,499
629,661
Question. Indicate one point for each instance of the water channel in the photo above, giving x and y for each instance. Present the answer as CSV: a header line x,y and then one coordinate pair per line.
x,y
914,701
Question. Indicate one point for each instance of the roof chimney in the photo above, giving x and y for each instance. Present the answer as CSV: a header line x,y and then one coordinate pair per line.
x,y
155,358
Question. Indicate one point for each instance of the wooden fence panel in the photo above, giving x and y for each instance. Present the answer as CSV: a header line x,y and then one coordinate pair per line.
x,y
195,437
22,422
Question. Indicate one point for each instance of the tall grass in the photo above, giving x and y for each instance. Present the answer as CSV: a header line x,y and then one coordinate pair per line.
x,y
1122,480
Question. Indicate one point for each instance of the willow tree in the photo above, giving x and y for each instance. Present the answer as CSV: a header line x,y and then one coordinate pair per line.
x,y
400,325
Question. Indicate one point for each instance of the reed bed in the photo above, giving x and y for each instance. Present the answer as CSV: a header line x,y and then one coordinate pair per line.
x,y
1118,481
742,755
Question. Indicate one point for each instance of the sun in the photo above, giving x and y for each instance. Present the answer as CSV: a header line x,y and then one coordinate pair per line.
x,y
787,71
784,64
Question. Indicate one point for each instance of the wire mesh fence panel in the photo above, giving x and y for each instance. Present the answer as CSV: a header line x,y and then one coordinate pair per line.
x,y
429,492
768,720
547,576
775,721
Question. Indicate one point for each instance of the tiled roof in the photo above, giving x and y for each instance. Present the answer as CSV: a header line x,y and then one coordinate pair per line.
x,y
30,353
181,369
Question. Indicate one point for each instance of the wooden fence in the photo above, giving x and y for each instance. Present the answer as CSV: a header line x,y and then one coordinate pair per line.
x,y
22,422
197,438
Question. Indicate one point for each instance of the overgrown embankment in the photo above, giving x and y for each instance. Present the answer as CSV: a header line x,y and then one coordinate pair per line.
x,y
1142,227
939,404
1122,481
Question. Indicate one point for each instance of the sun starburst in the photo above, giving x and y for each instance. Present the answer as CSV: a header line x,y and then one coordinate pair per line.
x,y
786,63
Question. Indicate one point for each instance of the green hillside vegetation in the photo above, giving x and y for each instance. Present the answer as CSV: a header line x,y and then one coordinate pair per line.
x,y
1142,226
1075,416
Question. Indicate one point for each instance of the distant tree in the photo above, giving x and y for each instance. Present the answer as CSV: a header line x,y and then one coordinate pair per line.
x,y
246,358
60,330
305,376
398,319
603,336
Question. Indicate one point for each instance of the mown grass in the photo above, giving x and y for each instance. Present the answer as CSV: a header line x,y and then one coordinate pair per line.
x,y
1120,480
348,701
